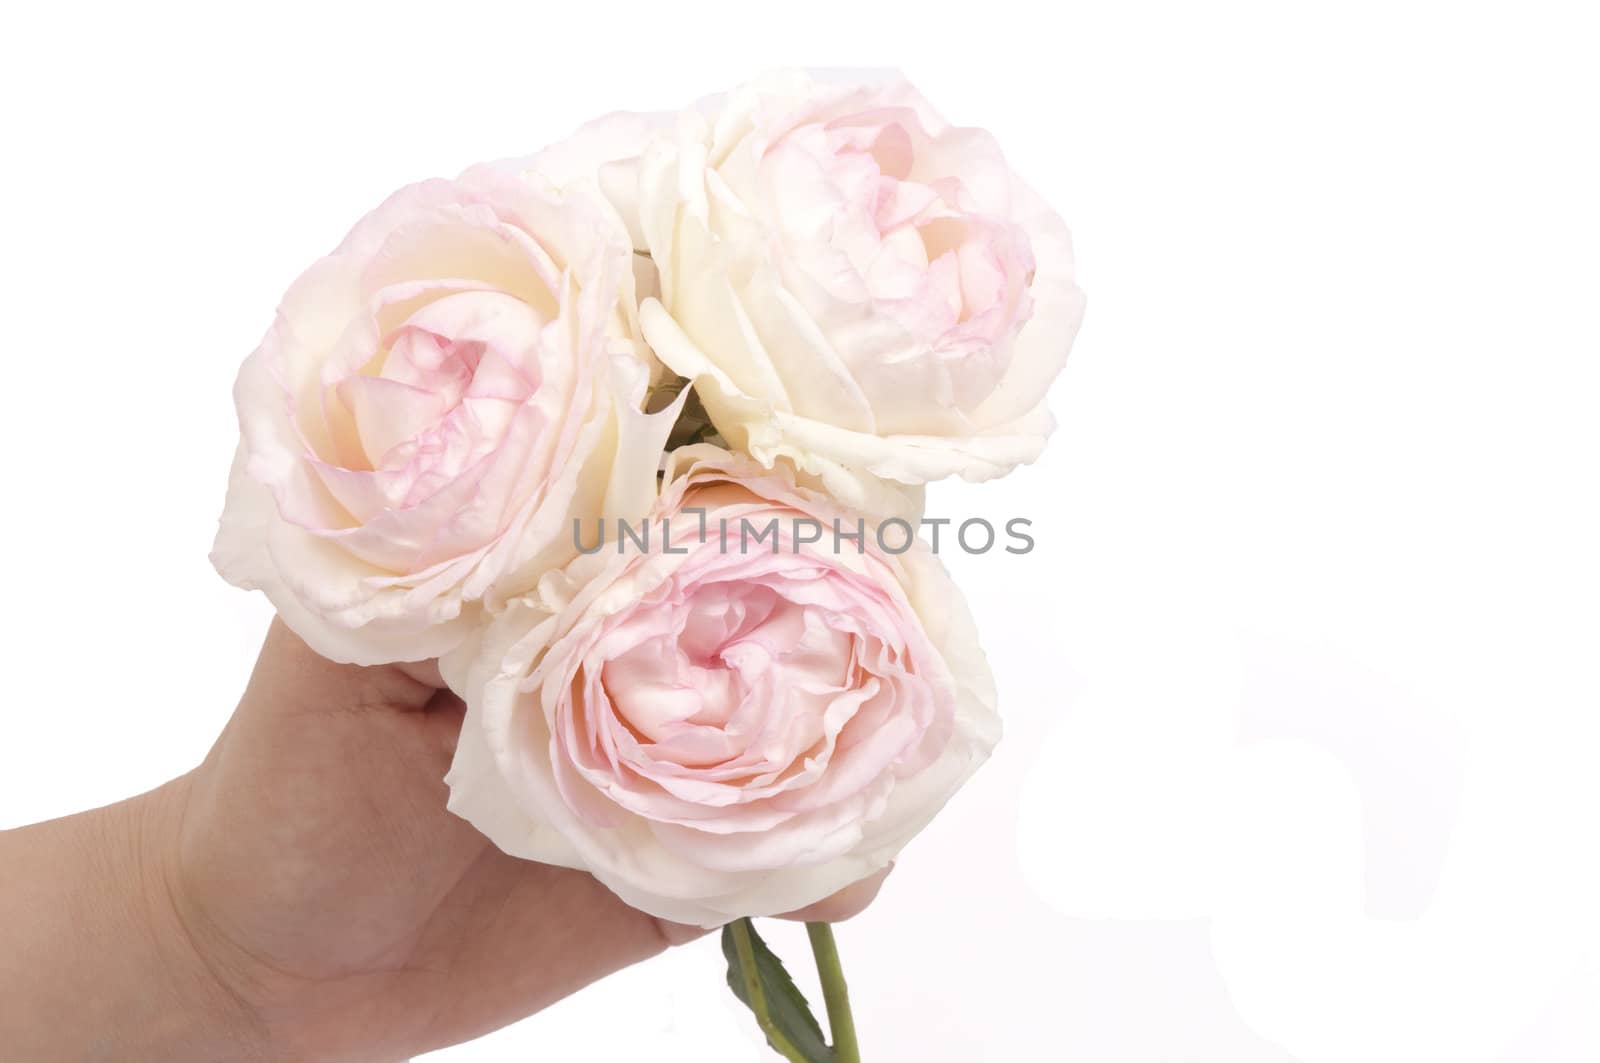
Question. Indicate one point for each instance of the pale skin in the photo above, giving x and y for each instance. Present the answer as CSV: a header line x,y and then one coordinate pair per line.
x,y
303,894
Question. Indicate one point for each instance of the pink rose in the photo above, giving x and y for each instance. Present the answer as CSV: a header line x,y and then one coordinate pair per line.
x,y
718,727
436,401
855,284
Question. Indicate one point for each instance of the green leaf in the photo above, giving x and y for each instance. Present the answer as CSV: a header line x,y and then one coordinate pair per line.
x,y
758,977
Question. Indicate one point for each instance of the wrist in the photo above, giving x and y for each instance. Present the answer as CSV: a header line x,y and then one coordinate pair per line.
x,y
103,964
206,1011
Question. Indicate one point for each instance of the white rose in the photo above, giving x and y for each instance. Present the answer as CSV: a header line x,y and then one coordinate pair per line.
x,y
436,402
854,284
724,728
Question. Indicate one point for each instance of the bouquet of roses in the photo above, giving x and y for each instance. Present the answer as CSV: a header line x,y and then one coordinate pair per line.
x,y
631,434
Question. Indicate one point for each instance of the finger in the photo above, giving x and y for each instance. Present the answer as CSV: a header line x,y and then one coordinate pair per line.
x,y
291,677
524,935
846,904
680,933
424,672
442,721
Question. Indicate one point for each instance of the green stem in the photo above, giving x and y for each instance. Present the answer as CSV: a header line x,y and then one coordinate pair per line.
x,y
835,994
758,999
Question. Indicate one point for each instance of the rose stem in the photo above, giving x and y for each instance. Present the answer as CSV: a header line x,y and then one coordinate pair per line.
x,y
758,999
835,994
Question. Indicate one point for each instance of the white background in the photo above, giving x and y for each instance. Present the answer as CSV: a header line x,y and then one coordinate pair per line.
x,y
1301,682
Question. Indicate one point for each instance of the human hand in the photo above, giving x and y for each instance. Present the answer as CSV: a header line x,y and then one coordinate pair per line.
x,y
313,899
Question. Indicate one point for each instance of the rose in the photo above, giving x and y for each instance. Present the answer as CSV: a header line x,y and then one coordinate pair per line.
x,y
855,284
434,403
718,727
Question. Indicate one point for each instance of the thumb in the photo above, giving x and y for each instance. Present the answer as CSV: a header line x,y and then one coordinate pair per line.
x,y
290,676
